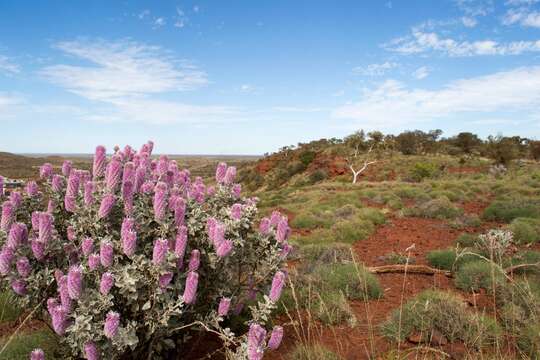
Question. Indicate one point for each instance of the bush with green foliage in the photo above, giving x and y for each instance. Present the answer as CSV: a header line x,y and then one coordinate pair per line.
x,y
119,257
467,240
317,176
444,313
442,259
423,170
510,209
439,208
525,230
476,275
313,352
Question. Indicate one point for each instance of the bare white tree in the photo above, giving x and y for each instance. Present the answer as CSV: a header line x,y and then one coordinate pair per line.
x,y
353,160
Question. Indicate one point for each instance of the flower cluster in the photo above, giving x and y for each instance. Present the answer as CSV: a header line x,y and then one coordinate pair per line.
x,y
129,256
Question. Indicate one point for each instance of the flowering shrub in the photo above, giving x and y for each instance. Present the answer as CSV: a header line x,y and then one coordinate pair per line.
x,y
126,260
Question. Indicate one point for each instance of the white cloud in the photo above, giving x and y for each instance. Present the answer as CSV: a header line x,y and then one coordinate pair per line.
x,y
521,2
421,72
125,77
475,7
374,69
522,16
122,69
143,14
7,67
469,21
393,104
159,22
421,42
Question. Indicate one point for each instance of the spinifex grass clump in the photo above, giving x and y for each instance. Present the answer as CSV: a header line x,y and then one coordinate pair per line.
x,y
128,258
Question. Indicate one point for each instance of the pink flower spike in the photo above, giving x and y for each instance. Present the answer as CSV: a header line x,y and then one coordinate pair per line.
x,y
159,253
190,291
224,306
277,286
194,260
106,283
275,338
106,254
112,321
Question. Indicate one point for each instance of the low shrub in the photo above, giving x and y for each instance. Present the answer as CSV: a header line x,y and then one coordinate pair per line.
x,y
313,352
439,208
317,176
332,308
467,240
508,210
352,279
326,254
442,259
373,215
350,231
119,257
477,275
443,312
525,230
423,170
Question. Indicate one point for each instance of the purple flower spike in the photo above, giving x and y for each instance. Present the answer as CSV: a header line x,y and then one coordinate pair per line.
x,y
159,254
230,175
113,173
224,306
190,291
236,211
19,287
59,319
106,254
127,196
107,203
256,336
282,230
38,249
45,171
181,242
165,280
45,227
23,267
129,242
57,183
179,211
67,165
275,218
140,175
286,250
74,182
87,246
74,282
93,261
16,199
195,260
6,258
100,159
8,216
221,170
71,234
18,234
106,283
275,338
236,190
70,203
277,286
91,351
37,354
160,201
112,321
89,188
31,189
224,248
129,172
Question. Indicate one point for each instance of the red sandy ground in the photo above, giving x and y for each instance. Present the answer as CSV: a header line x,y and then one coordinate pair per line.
x,y
364,341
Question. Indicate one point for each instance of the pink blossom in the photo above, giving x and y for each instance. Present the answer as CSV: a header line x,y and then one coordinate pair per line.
x,y
165,280
129,172
45,227
51,205
160,201
277,286
179,211
45,171
106,254
38,249
140,175
112,321
147,187
275,218
71,234
127,196
159,253
37,354
6,259
181,242
221,170
256,336
23,267
19,286
31,188
100,159
67,165
59,320
74,181
89,188
106,283
113,173
236,190
91,351
190,291
275,338
282,230
57,183
107,203
230,175
8,216
74,282
70,203
224,248
194,260
236,211
18,234
93,261
87,246
224,305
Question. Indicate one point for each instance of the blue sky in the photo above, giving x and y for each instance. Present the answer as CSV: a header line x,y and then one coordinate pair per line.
x,y
247,77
